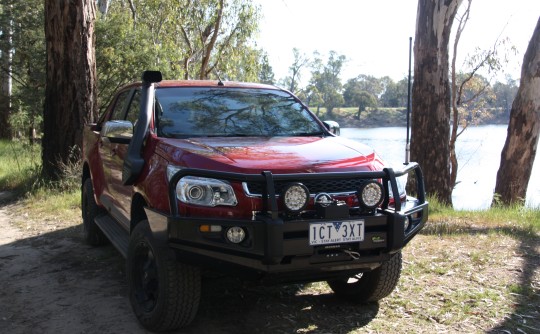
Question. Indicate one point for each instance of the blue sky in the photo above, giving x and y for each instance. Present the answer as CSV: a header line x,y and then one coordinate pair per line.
x,y
374,34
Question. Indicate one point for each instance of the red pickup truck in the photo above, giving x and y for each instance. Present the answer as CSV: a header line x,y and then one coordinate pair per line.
x,y
242,178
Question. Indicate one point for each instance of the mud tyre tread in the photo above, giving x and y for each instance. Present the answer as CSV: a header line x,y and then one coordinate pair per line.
x,y
92,234
177,295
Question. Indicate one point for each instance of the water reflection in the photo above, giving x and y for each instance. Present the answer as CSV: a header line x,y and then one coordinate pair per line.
x,y
479,153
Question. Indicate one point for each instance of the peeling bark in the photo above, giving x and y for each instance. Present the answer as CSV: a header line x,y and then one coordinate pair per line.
x,y
431,95
519,152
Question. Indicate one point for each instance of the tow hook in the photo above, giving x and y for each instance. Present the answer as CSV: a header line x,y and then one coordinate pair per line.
x,y
353,255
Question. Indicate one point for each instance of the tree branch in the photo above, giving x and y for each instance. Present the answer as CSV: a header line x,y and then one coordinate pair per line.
x,y
210,47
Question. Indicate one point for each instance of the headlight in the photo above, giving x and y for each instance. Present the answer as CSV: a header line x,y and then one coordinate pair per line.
x,y
401,184
370,194
295,197
205,191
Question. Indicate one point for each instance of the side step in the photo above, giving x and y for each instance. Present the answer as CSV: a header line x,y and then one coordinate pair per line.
x,y
114,232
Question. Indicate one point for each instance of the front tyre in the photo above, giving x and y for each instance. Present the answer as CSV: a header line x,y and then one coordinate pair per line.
x,y
372,285
164,293
90,210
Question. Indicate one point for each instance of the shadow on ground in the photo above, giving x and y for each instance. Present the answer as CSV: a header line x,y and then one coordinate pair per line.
x,y
55,283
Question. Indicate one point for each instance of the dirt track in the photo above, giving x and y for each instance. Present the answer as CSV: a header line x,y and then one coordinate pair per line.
x,y
53,283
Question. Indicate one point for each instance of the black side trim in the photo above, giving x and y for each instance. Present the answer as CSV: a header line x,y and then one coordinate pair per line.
x,y
114,232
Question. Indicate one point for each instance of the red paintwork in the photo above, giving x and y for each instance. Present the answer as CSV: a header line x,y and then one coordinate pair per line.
x,y
250,155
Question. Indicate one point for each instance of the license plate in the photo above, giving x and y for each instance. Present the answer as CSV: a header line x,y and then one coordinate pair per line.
x,y
336,232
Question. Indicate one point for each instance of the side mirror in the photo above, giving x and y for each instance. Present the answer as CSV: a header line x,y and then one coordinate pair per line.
x,y
332,126
119,132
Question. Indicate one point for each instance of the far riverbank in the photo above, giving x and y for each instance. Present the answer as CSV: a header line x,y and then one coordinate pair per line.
x,y
388,117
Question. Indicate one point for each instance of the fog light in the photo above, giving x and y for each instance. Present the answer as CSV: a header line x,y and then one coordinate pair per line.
x,y
236,234
295,197
370,194
406,224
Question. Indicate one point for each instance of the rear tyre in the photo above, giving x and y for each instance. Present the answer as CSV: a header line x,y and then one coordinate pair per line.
x,y
90,210
164,293
372,285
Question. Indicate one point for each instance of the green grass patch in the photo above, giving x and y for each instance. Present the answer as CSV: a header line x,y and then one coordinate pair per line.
x,y
20,165
444,219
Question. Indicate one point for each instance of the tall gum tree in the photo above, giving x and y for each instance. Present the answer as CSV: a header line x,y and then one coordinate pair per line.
x,y
431,95
519,151
70,92
6,56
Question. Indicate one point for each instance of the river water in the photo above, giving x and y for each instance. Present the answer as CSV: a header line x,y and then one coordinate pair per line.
x,y
478,150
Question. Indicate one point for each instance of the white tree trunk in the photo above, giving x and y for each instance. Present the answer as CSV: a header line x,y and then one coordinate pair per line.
x,y
517,157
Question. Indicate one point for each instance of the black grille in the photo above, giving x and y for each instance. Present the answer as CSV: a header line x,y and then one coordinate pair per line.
x,y
314,186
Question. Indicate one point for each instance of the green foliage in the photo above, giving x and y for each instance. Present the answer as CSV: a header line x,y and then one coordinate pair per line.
x,y
355,96
395,93
25,19
266,74
326,80
366,83
292,81
474,95
503,96
180,39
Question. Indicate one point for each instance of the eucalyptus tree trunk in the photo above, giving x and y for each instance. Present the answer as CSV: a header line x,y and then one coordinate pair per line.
x,y
70,92
517,157
431,95
6,49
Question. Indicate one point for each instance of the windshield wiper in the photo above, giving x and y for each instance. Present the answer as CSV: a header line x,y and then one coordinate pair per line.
x,y
309,134
230,135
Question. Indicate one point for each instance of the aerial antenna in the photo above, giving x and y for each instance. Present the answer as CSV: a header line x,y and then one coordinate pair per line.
x,y
407,144
220,83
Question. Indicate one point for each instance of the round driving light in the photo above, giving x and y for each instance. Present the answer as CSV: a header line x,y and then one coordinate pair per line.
x,y
236,234
295,197
371,194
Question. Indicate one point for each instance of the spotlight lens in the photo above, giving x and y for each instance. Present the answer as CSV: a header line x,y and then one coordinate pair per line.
x,y
296,197
372,194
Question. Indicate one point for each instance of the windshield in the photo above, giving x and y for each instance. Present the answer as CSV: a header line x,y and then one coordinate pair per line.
x,y
195,112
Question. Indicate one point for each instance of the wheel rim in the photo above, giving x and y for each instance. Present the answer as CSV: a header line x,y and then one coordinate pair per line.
x,y
146,277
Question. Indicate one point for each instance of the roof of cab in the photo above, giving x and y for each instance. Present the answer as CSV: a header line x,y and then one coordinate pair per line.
x,y
206,83
212,83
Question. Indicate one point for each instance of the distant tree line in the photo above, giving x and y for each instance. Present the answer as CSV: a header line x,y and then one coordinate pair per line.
x,y
73,67
325,89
